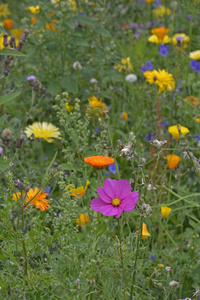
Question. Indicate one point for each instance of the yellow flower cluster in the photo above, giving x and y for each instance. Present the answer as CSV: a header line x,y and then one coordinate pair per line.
x,y
126,65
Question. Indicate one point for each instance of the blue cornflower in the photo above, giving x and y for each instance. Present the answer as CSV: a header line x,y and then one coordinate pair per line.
x,y
164,124
148,66
149,136
195,65
197,136
164,49
48,189
158,2
112,168
152,257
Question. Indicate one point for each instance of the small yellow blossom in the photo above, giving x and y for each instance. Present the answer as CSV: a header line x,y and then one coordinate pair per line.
x,y
34,9
195,55
194,101
98,107
160,265
4,10
69,107
149,1
17,196
77,192
165,211
197,120
126,65
180,41
175,132
73,4
161,11
125,116
145,233
173,161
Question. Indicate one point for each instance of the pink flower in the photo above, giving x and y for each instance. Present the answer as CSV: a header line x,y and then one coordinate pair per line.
x,y
115,196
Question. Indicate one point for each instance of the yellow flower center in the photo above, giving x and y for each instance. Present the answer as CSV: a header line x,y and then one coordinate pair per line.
x,y
116,202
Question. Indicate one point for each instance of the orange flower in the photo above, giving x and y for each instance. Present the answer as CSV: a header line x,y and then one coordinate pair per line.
x,y
33,20
38,198
160,32
99,161
145,232
17,196
174,130
125,116
194,101
8,23
84,218
173,160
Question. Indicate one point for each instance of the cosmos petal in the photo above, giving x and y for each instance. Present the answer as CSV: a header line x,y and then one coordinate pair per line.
x,y
96,204
123,188
129,202
104,197
109,187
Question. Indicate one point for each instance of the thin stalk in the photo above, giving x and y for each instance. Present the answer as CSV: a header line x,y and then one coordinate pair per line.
x,y
24,246
122,260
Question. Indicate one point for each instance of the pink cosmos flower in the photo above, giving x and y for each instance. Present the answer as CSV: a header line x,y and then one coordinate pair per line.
x,y
115,196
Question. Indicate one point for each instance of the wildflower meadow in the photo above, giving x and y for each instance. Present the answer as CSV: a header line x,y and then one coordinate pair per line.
x,y
100,149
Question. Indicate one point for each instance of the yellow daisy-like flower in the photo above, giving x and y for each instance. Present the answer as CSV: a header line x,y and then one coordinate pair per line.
x,y
180,41
44,130
165,211
175,132
38,199
159,36
4,10
197,120
161,11
34,9
98,107
195,55
77,192
163,79
73,4
82,220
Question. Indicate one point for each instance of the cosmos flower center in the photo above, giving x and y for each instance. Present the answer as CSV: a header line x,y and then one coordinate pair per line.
x,y
116,202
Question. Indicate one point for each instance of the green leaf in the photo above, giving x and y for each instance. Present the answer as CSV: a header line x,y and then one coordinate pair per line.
x,y
69,24
85,20
101,230
70,83
66,166
2,120
53,88
102,31
9,97
4,163
12,52
79,42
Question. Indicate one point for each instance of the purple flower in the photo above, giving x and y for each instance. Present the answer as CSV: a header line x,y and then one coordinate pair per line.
x,y
115,196
137,35
133,25
164,124
112,168
48,189
164,49
152,257
197,136
148,66
97,130
195,65
1,151
158,2
149,136
142,26
31,78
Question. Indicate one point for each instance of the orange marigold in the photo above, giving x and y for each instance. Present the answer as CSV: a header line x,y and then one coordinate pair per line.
x,y
160,32
99,161
38,198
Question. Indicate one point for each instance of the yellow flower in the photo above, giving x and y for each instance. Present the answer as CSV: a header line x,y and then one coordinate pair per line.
x,y
4,10
73,4
149,1
173,161
44,130
34,9
163,79
175,132
16,196
98,107
82,220
161,11
125,116
145,232
38,199
165,211
197,120
195,55
194,101
160,265
69,107
126,64
78,192
154,39
180,41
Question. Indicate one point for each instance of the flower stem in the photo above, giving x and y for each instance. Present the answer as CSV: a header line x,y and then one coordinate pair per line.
x,y
136,258
121,255
24,247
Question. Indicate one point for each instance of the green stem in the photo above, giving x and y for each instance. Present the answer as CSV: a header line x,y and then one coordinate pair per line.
x,y
122,260
24,247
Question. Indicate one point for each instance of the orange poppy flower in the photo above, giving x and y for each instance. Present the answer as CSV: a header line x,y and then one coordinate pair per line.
x,y
173,160
38,199
82,220
8,23
99,161
160,32
33,20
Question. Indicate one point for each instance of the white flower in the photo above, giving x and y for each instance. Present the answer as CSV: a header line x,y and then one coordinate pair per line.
x,y
174,284
93,80
131,78
168,269
77,65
